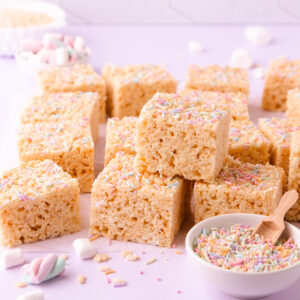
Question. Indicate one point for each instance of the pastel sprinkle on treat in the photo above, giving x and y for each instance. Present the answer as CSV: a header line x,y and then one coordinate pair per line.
x,y
12,258
236,249
84,248
43,269
119,282
81,279
99,258
21,284
151,261
33,295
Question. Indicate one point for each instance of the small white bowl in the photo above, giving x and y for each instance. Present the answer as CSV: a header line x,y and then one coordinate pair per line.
x,y
242,284
11,38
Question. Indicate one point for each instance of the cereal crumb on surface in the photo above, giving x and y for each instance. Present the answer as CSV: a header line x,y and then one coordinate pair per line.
x,y
81,279
99,258
119,282
151,261
103,268
129,256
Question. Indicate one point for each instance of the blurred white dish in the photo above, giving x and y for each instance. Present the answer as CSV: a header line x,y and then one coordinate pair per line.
x,y
241,284
12,37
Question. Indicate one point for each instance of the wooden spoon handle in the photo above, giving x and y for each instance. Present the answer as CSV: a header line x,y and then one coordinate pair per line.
x,y
286,202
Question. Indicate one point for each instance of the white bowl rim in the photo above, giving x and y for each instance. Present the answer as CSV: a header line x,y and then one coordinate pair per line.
x,y
190,251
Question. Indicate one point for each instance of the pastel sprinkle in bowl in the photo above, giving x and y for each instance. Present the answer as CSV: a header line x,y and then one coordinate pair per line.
x,y
246,285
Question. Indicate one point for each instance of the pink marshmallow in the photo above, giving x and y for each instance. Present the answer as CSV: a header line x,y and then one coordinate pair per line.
x,y
69,40
58,36
32,45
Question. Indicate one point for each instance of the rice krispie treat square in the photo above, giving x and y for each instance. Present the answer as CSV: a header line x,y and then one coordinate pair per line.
x,y
294,175
217,79
79,78
293,107
277,132
130,87
68,144
38,201
239,188
56,107
282,75
120,137
180,136
139,207
248,144
237,102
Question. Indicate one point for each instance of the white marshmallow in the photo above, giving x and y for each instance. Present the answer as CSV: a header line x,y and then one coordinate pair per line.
x,y
33,295
259,72
258,35
12,258
84,248
79,43
61,56
240,58
47,38
195,47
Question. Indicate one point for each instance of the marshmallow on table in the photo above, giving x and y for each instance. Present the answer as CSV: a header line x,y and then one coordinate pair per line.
x,y
79,43
195,47
12,258
33,295
240,58
84,248
259,72
258,35
62,56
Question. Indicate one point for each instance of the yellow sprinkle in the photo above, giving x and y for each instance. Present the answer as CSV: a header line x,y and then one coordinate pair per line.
x,y
64,256
109,272
178,252
151,261
21,284
94,237
81,279
103,268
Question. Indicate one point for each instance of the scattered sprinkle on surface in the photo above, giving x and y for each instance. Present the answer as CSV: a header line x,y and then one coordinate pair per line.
x,y
236,249
119,282
151,261
21,284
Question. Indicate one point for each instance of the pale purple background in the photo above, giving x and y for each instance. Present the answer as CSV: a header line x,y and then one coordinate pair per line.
x,y
135,44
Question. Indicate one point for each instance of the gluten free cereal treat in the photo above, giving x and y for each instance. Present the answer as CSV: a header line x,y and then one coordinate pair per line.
x,y
67,143
131,206
180,136
217,79
248,144
79,78
38,201
120,137
293,107
235,248
56,107
130,87
237,102
239,188
282,75
294,175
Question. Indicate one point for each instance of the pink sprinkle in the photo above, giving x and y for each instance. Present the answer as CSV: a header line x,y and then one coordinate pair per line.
x,y
108,280
174,246
179,292
109,242
158,279
141,272
143,252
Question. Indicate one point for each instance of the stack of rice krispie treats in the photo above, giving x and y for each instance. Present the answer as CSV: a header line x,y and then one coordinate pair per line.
x,y
201,137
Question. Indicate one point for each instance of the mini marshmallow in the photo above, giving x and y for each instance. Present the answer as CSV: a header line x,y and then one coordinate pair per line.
x,y
12,258
79,43
258,35
240,58
84,248
33,295
259,72
61,56
195,47
32,45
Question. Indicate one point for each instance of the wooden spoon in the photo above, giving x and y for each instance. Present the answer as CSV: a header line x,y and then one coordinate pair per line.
x,y
272,226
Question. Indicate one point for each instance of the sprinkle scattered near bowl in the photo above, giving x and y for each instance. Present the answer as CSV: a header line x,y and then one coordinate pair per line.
x,y
236,249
